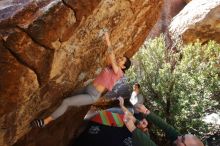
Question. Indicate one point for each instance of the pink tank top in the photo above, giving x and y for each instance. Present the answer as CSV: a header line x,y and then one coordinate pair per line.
x,y
108,78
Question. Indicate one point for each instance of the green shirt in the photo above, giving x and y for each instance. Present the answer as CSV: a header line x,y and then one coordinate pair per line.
x,y
141,139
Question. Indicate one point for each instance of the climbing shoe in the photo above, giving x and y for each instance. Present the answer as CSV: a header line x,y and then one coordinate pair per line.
x,y
38,123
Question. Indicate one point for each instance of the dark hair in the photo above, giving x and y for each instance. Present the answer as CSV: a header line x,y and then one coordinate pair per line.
x,y
139,117
127,64
138,85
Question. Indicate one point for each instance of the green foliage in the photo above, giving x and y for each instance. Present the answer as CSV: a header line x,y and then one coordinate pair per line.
x,y
179,85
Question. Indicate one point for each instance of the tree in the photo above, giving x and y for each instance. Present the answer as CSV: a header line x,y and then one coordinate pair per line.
x,y
182,85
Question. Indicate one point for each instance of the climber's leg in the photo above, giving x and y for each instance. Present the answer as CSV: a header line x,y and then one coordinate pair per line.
x,y
90,97
77,100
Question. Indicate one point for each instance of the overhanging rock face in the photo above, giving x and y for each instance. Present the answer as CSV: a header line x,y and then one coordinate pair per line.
x,y
48,48
200,19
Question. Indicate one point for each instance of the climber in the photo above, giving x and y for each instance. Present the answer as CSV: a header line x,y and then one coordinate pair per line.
x,y
141,139
103,82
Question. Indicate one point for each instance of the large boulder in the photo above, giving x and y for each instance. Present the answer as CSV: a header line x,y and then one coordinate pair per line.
x,y
170,9
198,20
49,48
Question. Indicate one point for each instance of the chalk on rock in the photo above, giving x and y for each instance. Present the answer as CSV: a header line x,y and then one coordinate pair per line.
x,y
102,32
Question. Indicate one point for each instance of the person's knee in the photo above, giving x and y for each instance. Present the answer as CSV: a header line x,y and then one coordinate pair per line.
x,y
94,98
